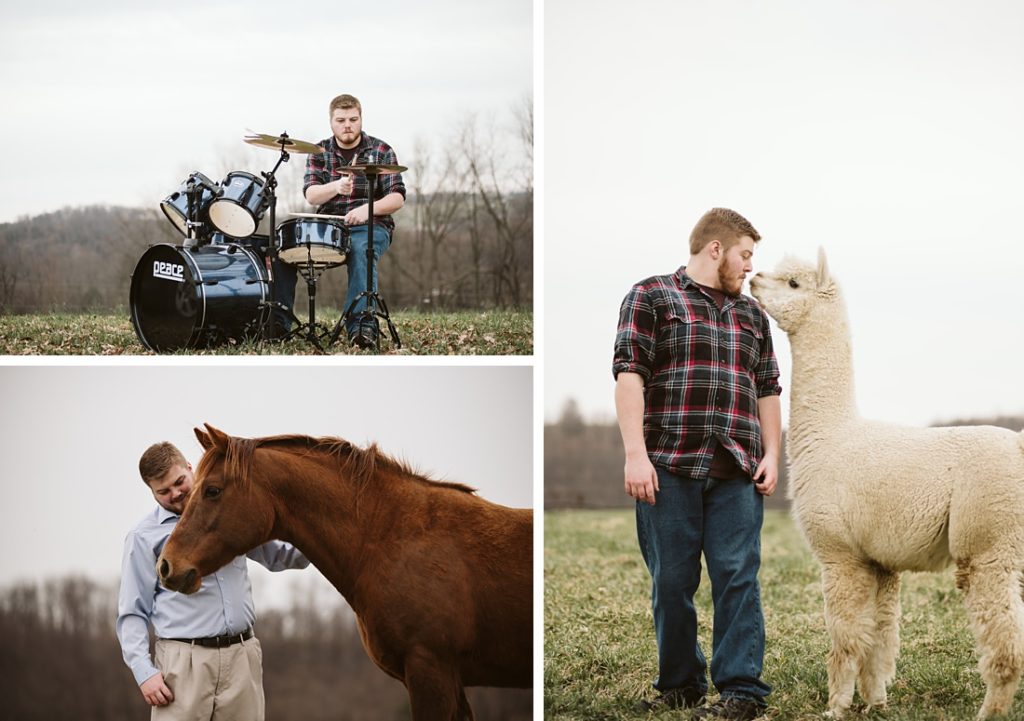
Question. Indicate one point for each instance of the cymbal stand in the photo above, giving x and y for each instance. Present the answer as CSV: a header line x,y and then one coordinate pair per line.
x,y
272,246
372,296
192,226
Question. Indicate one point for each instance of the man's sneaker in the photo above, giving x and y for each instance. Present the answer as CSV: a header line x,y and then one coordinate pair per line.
x,y
731,709
673,698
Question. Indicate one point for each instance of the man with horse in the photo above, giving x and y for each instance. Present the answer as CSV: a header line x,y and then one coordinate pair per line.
x,y
207,662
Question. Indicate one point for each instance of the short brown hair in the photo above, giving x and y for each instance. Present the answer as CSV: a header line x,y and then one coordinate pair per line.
x,y
722,224
343,102
158,459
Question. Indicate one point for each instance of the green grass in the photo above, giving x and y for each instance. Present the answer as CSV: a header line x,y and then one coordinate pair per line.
x,y
600,656
464,333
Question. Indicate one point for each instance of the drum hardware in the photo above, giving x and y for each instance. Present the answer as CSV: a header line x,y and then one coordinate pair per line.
x,y
312,243
373,298
187,207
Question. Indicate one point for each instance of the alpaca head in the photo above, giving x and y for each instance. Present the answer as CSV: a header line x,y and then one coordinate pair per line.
x,y
795,291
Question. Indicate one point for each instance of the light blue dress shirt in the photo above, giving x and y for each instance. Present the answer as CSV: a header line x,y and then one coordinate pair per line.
x,y
222,605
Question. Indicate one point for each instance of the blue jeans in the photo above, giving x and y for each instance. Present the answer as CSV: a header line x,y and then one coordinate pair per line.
x,y
723,519
285,275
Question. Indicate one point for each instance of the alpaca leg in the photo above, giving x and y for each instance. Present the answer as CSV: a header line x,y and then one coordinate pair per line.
x,y
879,665
997,618
435,691
850,592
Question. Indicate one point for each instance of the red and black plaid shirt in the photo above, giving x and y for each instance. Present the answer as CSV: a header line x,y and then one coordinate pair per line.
x,y
703,371
322,168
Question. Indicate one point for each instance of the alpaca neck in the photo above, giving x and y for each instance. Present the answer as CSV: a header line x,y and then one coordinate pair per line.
x,y
822,392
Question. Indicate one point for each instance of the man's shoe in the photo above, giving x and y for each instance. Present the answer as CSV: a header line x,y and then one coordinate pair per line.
x,y
673,698
731,709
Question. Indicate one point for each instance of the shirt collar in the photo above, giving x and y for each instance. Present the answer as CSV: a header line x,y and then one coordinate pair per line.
x,y
687,283
163,515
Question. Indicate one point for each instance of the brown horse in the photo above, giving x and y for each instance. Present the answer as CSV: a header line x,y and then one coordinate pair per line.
x,y
440,579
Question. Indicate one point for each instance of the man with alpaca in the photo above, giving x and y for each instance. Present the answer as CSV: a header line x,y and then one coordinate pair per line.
x,y
697,399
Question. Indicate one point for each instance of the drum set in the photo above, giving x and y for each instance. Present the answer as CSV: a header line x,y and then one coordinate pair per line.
x,y
217,285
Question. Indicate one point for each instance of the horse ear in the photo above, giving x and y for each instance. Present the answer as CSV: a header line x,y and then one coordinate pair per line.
x,y
218,437
204,440
823,274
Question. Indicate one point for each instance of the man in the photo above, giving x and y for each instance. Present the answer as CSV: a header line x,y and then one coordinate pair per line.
x,y
336,191
697,399
207,663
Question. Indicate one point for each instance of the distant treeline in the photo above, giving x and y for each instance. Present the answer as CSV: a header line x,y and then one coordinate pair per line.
x,y
583,461
464,239
61,660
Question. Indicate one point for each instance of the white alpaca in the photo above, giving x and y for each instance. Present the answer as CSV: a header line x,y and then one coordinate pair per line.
x,y
874,499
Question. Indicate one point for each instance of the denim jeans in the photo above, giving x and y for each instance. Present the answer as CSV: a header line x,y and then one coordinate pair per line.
x,y
285,275
723,519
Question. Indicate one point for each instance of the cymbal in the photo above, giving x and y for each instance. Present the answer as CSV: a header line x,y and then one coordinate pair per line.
x,y
376,169
278,142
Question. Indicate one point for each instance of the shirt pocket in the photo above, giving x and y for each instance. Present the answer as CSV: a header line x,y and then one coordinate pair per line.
x,y
749,341
685,338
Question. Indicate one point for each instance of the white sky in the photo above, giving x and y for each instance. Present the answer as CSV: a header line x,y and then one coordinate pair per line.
x,y
70,453
116,102
888,132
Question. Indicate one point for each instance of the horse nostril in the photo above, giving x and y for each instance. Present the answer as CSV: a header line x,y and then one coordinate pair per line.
x,y
165,568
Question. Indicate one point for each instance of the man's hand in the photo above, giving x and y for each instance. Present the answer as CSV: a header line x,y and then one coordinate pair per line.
x,y
766,476
344,185
641,478
155,691
358,216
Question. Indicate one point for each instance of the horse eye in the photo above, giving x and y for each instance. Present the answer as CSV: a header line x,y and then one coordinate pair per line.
x,y
793,283
211,492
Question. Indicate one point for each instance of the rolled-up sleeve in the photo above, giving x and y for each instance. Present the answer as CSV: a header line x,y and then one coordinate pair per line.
x,y
767,374
392,183
636,337
316,171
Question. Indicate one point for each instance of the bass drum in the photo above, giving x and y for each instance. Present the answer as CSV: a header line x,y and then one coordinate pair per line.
x,y
197,297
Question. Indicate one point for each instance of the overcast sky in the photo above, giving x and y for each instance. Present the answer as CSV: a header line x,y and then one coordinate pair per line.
x,y
887,132
70,481
116,102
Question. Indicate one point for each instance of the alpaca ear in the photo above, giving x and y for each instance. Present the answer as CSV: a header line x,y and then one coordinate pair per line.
x,y
204,440
219,438
823,274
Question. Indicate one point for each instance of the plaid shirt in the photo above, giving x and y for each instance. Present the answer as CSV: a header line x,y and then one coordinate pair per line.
x,y
703,371
322,168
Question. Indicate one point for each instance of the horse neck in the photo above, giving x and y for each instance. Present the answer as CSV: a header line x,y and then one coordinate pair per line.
x,y
321,512
822,393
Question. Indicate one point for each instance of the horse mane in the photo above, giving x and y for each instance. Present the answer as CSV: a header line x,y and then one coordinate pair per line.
x,y
361,463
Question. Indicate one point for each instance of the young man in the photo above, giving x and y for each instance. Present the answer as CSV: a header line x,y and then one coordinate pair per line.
x,y
697,399
208,664
336,192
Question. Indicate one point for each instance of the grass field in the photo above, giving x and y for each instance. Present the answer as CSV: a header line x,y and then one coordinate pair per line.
x,y
599,652
466,333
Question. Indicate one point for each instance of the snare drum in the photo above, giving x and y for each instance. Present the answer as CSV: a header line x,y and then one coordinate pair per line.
x,y
175,205
240,206
324,241
197,297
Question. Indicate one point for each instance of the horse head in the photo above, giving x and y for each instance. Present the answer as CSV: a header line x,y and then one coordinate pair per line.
x,y
226,515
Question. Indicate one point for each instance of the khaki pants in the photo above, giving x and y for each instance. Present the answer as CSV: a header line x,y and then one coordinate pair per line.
x,y
211,684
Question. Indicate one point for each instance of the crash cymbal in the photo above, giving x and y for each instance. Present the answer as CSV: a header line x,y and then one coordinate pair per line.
x,y
376,169
279,142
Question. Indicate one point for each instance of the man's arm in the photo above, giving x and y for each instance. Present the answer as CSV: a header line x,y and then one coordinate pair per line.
x,y
134,607
385,206
278,556
766,476
641,480
320,194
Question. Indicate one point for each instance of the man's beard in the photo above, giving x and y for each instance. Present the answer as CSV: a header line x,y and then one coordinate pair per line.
x,y
730,286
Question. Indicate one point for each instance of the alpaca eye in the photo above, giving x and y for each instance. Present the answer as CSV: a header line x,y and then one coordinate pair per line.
x,y
211,492
793,283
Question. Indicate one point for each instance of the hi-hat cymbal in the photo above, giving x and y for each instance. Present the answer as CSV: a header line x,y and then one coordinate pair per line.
x,y
279,142
376,169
